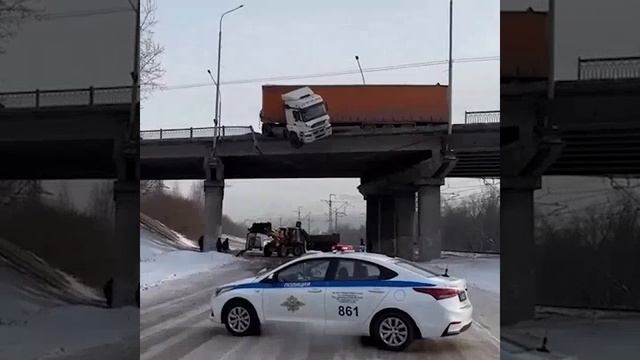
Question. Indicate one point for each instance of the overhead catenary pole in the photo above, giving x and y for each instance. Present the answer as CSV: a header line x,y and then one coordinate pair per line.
x,y
449,87
330,202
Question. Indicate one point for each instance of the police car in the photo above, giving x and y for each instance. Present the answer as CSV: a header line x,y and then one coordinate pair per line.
x,y
389,299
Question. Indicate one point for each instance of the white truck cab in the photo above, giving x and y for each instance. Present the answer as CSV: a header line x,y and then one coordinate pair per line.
x,y
306,115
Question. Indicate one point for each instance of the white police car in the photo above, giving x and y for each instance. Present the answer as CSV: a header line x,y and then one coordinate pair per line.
x,y
392,300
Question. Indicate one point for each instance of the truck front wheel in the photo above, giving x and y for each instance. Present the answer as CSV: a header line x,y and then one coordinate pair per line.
x,y
267,250
298,250
294,140
281,251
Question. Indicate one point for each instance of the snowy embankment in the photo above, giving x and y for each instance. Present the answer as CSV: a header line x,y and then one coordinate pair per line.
x,y
46,313
576,334
480,270
167,255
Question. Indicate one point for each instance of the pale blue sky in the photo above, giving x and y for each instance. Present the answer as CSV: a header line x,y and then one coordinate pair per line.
x,y
285,37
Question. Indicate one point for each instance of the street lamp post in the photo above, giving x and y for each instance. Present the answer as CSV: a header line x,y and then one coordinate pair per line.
x,y
218,70
449,90
215,83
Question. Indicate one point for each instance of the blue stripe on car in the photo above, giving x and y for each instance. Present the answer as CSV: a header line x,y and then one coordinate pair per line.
x,y
334,283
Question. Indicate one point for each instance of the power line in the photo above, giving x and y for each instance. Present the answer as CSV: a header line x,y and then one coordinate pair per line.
x,y
329,74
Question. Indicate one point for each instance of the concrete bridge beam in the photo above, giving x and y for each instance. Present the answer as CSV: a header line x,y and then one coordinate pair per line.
x,y
518,247
213,198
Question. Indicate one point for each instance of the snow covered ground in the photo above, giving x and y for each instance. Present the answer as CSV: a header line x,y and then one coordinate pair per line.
x,y
45,313
480,270
579,334
160,261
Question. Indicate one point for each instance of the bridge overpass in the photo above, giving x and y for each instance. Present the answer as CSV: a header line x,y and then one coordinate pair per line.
x,y
80,134
391,163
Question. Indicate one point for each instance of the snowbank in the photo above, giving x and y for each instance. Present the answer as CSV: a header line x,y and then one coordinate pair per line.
x,y
160,262
581,334
481,271
45,312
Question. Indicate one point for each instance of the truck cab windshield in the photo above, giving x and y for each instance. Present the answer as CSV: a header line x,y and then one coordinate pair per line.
x,y
313,112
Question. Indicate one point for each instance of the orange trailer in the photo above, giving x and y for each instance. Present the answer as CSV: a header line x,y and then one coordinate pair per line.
x,y
365,104
524,49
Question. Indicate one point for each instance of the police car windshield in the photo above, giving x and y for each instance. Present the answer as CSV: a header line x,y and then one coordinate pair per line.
x,y
411,266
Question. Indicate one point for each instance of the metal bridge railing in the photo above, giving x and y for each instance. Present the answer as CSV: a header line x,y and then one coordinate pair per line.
x,y
609,68
197,132
481,117
66,97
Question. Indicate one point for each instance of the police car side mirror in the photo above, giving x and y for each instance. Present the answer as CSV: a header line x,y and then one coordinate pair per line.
x,y
269,279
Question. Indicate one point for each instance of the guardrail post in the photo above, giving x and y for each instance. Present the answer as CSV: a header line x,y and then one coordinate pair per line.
x,y
160,133
579,68
37,98
191,133
465,117
91,96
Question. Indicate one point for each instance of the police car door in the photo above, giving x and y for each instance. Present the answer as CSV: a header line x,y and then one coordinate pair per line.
x,y
353,293
297,294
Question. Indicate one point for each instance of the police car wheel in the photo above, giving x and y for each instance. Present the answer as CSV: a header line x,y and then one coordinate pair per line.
x,y
393,331
241,319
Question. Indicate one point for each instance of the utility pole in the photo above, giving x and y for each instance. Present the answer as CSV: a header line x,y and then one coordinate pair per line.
x,y
337,213
330,202
299,216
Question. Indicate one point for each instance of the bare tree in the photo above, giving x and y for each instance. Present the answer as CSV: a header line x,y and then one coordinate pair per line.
x,y
12,191
64,197
151,70
101,204
148,187
12,14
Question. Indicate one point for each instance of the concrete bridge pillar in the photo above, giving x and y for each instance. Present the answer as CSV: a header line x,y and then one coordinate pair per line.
x,y
517,279
126,195
390,223
405,204
381,227
213,197
373,223
429,239
387,226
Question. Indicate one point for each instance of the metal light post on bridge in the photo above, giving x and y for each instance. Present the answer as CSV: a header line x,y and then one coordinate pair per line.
x,y
449,91
217,82
218,112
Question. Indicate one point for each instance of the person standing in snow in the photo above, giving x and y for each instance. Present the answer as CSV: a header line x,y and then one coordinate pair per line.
x,y
201,243
225,245
219,245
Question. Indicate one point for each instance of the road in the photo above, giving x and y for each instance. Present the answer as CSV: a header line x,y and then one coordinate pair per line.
x,y
174,324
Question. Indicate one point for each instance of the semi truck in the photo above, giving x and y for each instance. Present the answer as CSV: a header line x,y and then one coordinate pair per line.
x,y
306,109
304,117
